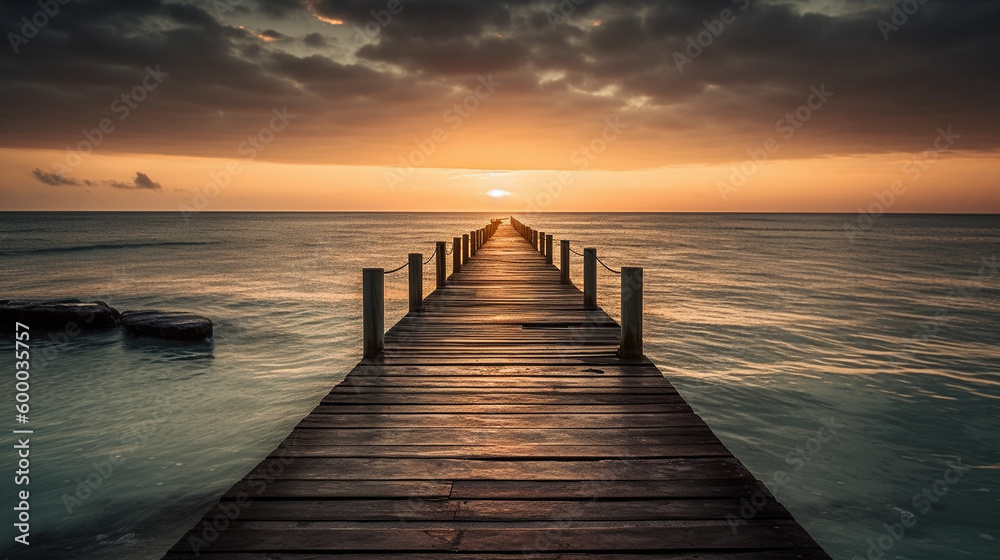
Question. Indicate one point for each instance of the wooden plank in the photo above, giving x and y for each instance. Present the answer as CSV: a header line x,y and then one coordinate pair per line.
x,y
607,489
797,554
681,435
549,383
420,509
457,536
368,468
550,408
500,399
639,420
367,370
519,451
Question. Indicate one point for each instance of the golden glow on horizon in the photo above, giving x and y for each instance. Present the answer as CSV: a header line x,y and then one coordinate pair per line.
x,y
952,184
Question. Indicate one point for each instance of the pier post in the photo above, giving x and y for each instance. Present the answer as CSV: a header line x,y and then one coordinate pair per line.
x,y
416,270
534,239
541,243
442,265
373,311
548,249
590,278
631,345
456,254
564,261
465,248
472,244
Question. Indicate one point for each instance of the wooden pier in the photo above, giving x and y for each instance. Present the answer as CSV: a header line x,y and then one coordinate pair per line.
x,y
506,415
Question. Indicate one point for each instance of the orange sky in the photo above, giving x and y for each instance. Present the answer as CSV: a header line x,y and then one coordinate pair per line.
x,y
954,183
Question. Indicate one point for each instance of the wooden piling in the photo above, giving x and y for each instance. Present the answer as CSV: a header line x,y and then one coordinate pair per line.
x,y
472,243
465,248
548,249
564,261
456,254
416,273
631,344
373,311
442,264
590,278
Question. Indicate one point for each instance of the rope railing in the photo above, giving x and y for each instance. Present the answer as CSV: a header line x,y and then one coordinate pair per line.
x,y
426,262
606,266
395,270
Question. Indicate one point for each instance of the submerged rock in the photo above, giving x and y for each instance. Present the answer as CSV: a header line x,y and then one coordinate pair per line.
x,y
60,314
170,325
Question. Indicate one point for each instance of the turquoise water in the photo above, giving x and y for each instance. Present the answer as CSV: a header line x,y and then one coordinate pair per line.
x,y
772,326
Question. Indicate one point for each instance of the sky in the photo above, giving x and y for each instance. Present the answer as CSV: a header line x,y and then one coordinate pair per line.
x,y
864,106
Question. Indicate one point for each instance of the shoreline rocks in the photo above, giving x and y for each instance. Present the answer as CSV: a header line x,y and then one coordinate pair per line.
x,y
71,315
60,314
169,325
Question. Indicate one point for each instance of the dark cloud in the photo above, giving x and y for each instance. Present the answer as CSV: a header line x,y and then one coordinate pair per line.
x,y
53,179
273,35
315,40
387,78
140,182
275,8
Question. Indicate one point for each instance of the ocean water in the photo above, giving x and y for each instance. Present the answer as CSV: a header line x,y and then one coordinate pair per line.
x,y
858,377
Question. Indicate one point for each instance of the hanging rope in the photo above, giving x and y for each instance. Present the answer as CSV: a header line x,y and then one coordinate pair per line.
x,y
607,267
398,269
575,253
431,257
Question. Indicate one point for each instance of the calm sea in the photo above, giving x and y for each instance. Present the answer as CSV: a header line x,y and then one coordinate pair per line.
x,y
772,326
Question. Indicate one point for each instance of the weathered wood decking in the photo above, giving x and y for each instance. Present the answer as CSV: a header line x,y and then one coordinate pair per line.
x,y
500,423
